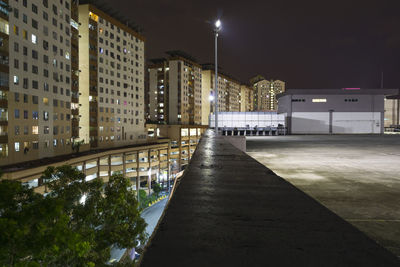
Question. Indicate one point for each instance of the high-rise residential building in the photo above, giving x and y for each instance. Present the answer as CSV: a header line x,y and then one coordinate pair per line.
x,y
265,92
111,80
68,73
175,90
228,92
246,98
35,80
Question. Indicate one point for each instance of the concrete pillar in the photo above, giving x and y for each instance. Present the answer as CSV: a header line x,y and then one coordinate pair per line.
x,y
168,164
124,164
98,167
137,176
109,166
159,165
84,168
149,170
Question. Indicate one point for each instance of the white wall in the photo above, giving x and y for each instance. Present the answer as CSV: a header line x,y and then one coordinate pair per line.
x,y
356,122
342,123
310,123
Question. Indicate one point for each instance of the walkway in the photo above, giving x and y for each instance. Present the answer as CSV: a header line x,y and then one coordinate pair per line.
x,y
151,215
230,210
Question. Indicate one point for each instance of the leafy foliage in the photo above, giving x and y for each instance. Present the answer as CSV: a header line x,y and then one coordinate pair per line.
x,y
157,189
73,225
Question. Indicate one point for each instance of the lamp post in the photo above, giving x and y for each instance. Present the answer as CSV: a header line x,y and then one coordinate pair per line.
x,y
216,30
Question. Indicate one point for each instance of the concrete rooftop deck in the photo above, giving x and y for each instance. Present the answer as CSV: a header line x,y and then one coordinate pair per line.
x,y
230,210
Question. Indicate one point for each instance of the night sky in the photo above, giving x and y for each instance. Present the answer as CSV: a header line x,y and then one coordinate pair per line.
x,y
308,44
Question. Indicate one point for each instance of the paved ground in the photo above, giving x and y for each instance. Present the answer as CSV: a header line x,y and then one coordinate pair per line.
x,y
152,214
230,210
356,176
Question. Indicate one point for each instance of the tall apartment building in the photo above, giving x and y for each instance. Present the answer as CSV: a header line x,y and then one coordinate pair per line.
x,y
265,92
111,80
175,90
228,92
246,98
35,79
68,73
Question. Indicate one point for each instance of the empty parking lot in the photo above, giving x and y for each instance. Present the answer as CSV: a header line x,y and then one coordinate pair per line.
x,y
356,176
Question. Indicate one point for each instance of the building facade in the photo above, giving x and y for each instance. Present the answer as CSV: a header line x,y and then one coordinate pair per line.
x,y
392,111
246,98
175,90
35,80
229,90
111,80
167,153
331,111
265,92
70,74
184,140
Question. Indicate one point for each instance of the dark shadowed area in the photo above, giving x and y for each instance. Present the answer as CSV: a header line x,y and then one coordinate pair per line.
x,y
308,44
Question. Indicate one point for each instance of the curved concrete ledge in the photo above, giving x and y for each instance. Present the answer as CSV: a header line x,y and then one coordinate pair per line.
x,y
229,210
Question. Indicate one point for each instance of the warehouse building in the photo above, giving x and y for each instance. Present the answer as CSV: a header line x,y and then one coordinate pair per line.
x,y
334,111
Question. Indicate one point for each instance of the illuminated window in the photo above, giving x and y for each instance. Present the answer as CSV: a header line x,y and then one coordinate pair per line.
x,y
34,39
35,129
74,24
45,100
4,27
16,146
93,16
319,100
25,34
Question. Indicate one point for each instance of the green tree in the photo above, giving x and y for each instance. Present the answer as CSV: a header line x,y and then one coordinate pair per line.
x,y
157,189
15,224
122,223
73,225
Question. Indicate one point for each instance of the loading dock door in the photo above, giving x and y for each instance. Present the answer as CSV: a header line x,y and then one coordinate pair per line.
x,y
356,122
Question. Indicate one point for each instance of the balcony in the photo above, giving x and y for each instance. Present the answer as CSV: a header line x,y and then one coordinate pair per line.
x,y
74,99
74,123
3,103
3,138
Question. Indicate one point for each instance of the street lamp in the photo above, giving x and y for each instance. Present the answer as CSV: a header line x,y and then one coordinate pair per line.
x,y
216,30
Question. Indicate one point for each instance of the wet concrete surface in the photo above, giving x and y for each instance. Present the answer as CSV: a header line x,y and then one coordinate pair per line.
x,y
355,176
230,210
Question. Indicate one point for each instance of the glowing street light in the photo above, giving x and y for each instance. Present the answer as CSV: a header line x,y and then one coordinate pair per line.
x,y
216,31
218,24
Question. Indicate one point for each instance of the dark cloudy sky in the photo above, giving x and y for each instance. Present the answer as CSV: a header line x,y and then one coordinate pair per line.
x,y
308,44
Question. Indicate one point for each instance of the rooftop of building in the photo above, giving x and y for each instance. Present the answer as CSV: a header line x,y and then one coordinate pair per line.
x,y
105,10
260,78
220,214
211,67
341,91
174,55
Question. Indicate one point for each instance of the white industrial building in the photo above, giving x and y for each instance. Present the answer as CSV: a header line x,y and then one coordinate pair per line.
x,y
334,111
